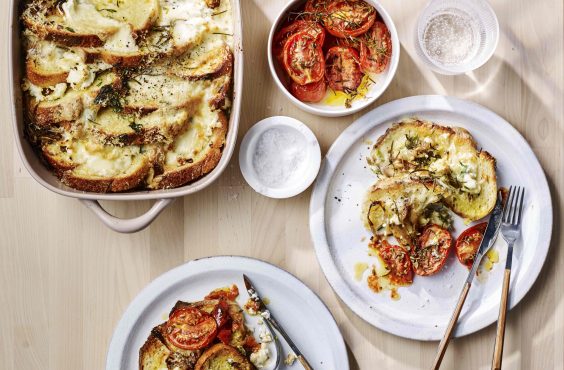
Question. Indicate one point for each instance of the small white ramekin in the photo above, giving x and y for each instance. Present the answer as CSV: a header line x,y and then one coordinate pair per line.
x,y
375,90
311,165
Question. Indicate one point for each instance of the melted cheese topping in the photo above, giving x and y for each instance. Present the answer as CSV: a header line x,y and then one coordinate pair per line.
x,y
192,144
122,40
83,17
45,94
194,28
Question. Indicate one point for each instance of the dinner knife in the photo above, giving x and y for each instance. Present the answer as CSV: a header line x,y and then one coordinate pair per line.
x,y
490,235
269,318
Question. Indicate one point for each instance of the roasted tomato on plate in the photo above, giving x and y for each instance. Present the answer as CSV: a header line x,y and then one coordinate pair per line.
x,y
375,49
468,243
397,262
191,328
430,253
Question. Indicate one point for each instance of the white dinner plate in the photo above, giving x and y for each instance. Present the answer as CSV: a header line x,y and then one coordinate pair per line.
x,y
300,312
425,307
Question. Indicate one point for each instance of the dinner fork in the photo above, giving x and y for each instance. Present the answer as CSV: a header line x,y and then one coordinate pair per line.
x,y
510,231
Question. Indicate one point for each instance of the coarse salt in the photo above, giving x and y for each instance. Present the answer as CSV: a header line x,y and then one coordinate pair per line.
x,y
279,156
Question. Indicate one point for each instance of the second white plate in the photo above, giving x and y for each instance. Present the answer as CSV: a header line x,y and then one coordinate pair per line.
x,y
301,313
425,307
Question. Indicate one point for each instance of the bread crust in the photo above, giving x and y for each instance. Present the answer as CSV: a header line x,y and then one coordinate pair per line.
x,y
221,352
451,141
193,171
42,78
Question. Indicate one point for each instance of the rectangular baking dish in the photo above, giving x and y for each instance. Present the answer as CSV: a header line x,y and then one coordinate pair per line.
x,y
162,197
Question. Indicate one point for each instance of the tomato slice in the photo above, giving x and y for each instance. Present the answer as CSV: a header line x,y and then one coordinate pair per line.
x,y
342,69
430,253
375,48
229,293
191,328
468,243
303,58
349,18
317,7
311,93
284,34
221,313
225,335
397,262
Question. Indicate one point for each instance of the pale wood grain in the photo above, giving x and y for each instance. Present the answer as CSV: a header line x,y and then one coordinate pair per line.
x,y
66,279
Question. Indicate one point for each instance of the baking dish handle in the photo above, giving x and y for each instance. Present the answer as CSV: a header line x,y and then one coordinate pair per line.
x,y
131,225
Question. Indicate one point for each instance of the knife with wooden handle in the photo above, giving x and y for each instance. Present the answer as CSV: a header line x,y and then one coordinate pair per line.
x,y
267,316
490,235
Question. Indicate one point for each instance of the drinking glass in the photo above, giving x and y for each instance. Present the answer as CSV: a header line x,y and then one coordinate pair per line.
x,y
456,36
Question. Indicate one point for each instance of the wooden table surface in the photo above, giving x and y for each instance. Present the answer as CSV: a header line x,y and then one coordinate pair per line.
x,y
65,279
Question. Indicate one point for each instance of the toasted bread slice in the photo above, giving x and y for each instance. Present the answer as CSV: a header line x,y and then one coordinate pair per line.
x,y
160,126
67,108
153,90
141,15
149,92
89,166
221,356
48,64
449,156
201,63
400,207
195,152
88,23
72,23
153,354
70,106
473,206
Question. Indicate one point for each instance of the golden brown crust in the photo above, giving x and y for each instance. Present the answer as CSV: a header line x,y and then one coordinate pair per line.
x,y
222,353
194,171
415,122
60,35
51,113
153,354
43,79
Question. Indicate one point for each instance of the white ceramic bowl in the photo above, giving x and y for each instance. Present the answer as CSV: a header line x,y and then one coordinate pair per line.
x,y
305,173
374,91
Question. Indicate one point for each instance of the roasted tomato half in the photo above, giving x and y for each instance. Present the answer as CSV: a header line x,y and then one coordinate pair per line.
x,y
317,7
342,69
191,328
311,93
468,243
397,262
348,18
303,58
375,48
284,34
430,253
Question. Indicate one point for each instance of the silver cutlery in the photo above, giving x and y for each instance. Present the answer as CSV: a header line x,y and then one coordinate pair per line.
x,y
510,231
272,323
488,241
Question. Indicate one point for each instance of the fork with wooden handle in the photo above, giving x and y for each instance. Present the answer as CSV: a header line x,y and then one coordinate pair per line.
x,y
510,231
